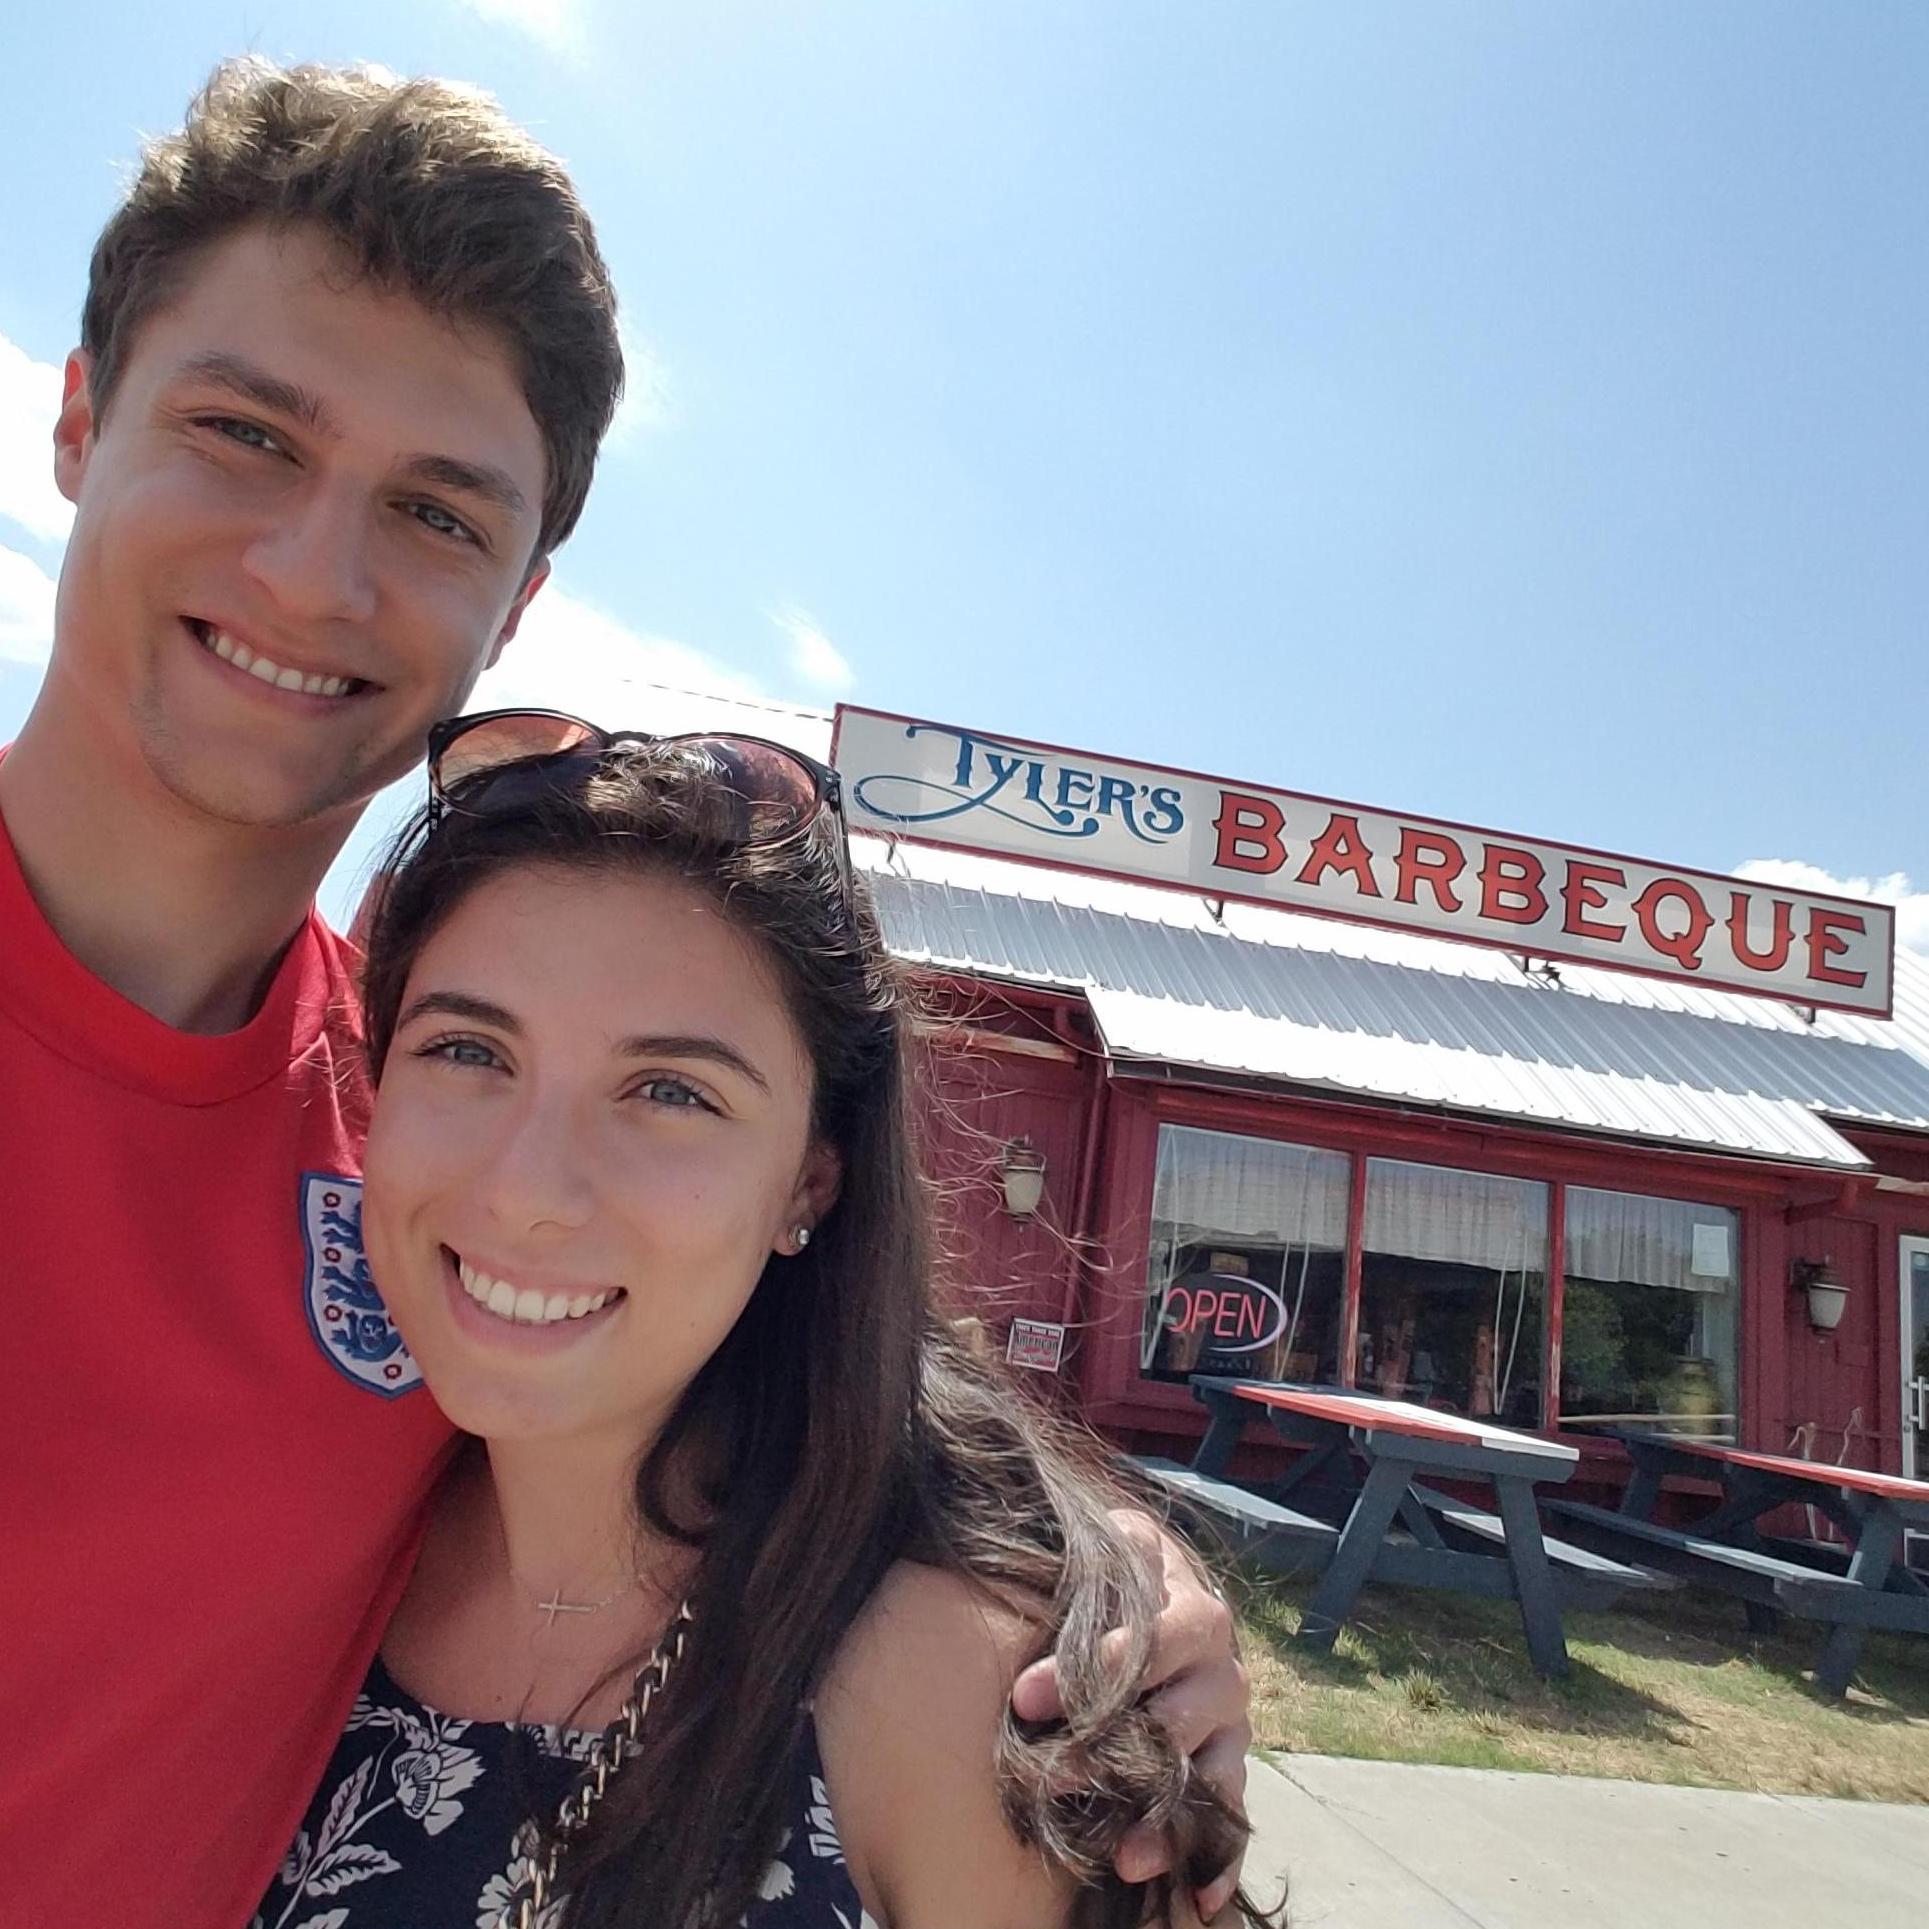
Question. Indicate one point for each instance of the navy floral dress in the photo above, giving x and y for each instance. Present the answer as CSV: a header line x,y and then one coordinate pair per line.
x,y
423,1822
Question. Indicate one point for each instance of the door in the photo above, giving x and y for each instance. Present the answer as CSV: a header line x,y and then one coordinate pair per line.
x,y
1915,1379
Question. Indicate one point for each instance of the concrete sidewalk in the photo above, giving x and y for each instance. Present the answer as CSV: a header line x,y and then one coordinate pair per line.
x,y
1383,1845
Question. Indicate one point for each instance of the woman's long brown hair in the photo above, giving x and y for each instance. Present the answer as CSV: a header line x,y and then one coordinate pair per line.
x,y
839,1428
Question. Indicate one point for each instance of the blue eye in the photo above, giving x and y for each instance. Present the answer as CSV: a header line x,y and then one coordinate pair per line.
x,y
676,1094
432,516
251,435
459,1051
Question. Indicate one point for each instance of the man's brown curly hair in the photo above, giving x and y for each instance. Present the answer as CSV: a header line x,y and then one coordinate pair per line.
x,y
427,188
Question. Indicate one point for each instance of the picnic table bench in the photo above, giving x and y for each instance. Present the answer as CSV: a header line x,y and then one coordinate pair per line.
x,y
1726,1548
1393,1526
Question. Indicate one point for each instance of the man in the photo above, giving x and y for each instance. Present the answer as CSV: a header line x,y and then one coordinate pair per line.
x,y
347,354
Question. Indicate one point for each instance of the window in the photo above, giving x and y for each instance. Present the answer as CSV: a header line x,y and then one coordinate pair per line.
x,y
1648,1318
1451,1290
1248,1258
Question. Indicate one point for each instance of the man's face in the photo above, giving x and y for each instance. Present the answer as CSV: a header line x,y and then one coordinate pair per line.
x,y
304,528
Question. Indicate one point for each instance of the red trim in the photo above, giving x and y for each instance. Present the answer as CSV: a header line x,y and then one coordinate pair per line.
x,y
1497,943
1355,1263
1763,1390
1556,1283
1086,1197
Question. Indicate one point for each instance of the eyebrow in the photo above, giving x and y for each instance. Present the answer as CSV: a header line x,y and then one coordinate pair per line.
x,y
239,376
249,380
693,1045
461,1004
483,1011
479,479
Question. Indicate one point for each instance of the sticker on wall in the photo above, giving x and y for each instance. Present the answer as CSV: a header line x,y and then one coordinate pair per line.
x,y
1035,1344
1710,1258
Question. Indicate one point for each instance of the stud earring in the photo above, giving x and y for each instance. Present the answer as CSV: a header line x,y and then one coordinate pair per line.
x,y
800,1238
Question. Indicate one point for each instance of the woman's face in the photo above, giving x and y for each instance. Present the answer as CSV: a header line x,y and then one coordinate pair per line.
x,y
593,1129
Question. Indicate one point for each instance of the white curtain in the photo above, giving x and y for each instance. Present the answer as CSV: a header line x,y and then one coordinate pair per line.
x,y
1458,1218
1650,1242
1215,1185
1247,1192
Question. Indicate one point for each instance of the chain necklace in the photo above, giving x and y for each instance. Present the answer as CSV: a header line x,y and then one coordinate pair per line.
x,y
607,1754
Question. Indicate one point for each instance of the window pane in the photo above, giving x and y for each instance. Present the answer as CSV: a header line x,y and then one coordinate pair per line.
x,y
1248,1258
1451,1290
1648,1314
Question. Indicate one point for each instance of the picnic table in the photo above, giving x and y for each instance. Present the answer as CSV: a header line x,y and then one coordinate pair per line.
x,y
1850,1590
1446,1542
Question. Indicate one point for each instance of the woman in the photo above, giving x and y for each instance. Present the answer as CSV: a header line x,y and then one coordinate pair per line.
x,y
641,1198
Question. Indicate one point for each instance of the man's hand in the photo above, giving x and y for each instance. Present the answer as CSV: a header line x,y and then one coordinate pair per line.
x,y
1198,1697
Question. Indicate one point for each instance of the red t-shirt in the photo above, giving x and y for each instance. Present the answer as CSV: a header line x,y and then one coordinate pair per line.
x,y
214,1449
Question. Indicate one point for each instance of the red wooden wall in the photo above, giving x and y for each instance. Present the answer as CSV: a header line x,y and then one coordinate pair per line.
x,y
974,1098
1026,1067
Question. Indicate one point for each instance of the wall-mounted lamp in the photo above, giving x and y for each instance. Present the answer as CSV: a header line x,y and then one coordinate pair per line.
x,y
1022,1167
1826,1295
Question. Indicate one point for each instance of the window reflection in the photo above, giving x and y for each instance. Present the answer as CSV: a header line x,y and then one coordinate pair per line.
x,y
1648,1316
1451,1290
1248,1259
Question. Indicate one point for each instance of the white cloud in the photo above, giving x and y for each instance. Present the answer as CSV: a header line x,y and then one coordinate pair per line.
x,y
1912,906
646,389
557,24
26,609
29,402
571,656
813,656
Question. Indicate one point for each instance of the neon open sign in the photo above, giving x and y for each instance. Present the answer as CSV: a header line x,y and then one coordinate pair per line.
x,y
1229,1313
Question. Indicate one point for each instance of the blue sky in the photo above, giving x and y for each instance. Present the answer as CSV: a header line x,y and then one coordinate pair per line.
x,y
1516,413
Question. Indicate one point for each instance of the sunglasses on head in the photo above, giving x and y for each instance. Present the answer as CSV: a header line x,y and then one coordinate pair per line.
x,y
497,759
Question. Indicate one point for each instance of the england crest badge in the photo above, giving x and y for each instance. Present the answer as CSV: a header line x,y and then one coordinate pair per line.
x,y
345,1312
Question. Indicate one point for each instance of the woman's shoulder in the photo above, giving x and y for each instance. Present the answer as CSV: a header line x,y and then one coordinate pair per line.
x,y
908,1719
917,1611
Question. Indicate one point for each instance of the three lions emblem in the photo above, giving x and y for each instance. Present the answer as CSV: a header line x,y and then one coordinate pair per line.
x,y
345,1312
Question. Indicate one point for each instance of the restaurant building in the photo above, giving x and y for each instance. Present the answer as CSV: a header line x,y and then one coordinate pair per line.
x,y
1226,1079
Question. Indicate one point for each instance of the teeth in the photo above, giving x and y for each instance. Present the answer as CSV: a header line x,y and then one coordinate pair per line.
x,y
243,658
525,1306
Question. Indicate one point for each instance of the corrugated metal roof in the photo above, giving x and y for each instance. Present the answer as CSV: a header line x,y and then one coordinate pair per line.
x,y
1464,1078
1346,1007
1311,1001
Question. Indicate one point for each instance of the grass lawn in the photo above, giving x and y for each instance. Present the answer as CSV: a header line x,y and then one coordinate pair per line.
x,y
1672,1690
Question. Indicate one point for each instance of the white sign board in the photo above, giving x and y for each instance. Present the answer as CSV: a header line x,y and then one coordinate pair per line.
x,y
1036,1344
939,784
1711,1257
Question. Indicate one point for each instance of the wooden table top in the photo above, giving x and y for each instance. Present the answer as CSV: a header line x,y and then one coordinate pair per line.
x,y
1819,1472
1392,1416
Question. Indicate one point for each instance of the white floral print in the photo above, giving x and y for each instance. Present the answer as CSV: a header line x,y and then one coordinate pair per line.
x,y
495,1908
423,1780
427,1781
406,1778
